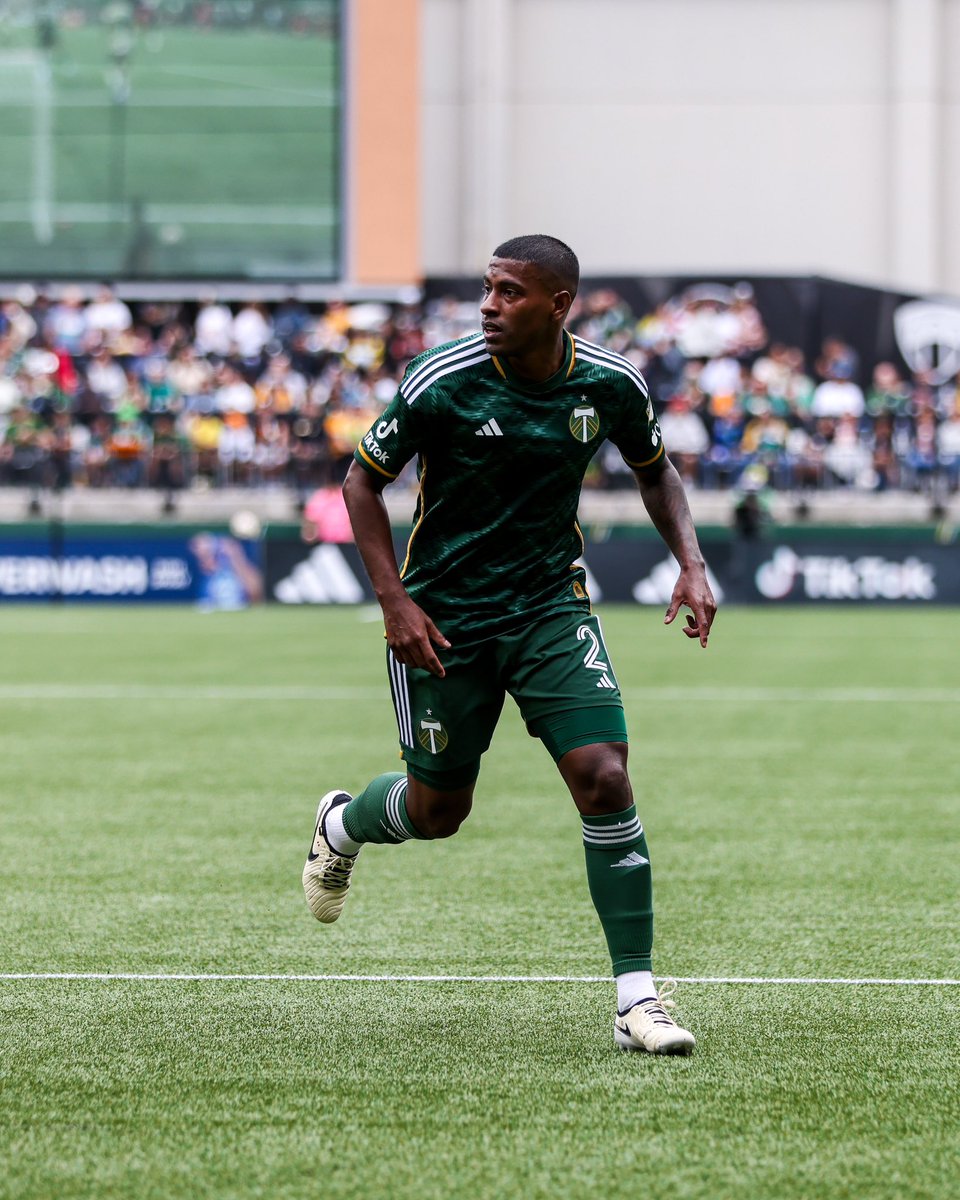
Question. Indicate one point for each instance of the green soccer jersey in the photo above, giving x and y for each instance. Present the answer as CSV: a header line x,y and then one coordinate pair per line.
x,y
501,461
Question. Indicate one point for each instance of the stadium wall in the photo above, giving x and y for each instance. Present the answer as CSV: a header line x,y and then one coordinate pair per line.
x,y
802,137
211,567
383,202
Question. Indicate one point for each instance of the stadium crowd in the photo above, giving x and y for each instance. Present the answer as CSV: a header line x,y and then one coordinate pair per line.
x,y
97,393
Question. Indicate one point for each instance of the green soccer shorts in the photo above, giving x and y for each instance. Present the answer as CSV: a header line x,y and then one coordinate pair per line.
x,y
557,670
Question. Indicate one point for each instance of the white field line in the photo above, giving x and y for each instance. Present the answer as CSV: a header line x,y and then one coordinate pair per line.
x,y
282,692
244,80
71,692
158,977
81,213
99,98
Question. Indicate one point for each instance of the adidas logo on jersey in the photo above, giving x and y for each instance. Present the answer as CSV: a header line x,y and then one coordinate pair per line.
x,y
490,429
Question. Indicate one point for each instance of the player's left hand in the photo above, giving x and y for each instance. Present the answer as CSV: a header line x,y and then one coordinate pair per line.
x,y
693,590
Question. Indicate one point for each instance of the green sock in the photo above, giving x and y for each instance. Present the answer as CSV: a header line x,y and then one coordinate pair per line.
x,y
618,872
379,813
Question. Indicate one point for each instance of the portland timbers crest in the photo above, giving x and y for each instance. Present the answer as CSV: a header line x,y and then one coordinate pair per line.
x,y
431,735
584,423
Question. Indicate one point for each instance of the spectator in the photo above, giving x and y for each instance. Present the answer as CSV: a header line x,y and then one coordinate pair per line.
x,y
685,437
192,378
291,319
765,441
846,455
234,394
127,452
168,457
214,329
204,431
838,395
107,380
721,376
285,394
108,316
281,389
96,452
882,444
837,360
781,372
66,323
923,458
235,449
22,452
325,517
948,445
60,452
159,393
888,392
309,453
250,332
271,453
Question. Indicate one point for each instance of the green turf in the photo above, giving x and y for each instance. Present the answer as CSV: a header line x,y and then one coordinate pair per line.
x,y
160,770
219,121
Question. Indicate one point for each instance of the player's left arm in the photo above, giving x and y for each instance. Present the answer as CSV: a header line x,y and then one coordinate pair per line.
x,y
665,500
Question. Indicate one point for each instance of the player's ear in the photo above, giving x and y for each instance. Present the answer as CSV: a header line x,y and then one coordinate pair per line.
x,y
561,304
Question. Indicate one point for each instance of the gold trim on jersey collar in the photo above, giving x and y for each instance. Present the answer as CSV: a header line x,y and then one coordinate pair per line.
x,y
573,355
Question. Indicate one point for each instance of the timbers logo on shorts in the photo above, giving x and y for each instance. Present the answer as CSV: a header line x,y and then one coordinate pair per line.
x,y
431,735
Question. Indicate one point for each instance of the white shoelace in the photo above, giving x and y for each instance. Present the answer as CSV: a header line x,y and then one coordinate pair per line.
x,y
337,872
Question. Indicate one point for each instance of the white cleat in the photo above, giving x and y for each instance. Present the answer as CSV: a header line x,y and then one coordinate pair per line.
x,y
326,874
648,1026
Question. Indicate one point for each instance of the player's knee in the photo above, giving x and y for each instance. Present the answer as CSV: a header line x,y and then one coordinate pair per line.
x,y
441,824
438,815
598,780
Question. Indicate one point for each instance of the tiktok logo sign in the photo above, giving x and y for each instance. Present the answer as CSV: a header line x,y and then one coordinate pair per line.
x,y
788,575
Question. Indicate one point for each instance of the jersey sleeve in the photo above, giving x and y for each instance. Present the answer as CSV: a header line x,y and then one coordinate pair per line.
x,y
637,434
392,440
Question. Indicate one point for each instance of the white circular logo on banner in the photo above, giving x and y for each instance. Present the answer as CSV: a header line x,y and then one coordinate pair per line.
x,y
928,334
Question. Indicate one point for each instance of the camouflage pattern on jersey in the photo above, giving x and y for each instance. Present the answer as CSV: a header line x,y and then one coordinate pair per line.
x,y
501,461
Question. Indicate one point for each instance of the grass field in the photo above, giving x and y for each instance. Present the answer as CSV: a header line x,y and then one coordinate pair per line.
x,y
798,782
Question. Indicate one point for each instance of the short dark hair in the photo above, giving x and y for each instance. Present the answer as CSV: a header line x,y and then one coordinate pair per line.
x,y
553,257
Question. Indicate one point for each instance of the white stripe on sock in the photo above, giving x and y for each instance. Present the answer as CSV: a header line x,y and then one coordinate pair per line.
x,y
612,835
394,799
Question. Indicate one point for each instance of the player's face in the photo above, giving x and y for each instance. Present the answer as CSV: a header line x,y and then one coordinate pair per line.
x,y
518,312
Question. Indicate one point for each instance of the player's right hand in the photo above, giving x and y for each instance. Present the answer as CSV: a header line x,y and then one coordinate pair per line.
x,y
411,635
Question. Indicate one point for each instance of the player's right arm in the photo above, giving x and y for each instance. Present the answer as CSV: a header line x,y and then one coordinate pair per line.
x,y
390,443
411,635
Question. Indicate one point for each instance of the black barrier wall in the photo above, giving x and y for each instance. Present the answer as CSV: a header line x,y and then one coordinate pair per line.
x,y
792,566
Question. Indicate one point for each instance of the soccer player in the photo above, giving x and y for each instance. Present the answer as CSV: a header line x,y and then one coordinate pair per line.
x,y
490,599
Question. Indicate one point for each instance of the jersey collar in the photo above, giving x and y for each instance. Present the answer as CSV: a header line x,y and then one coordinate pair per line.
x,y
546,385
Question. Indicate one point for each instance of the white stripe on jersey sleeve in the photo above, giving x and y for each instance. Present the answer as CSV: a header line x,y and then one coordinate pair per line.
x,y
483,356
456,352
607,358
